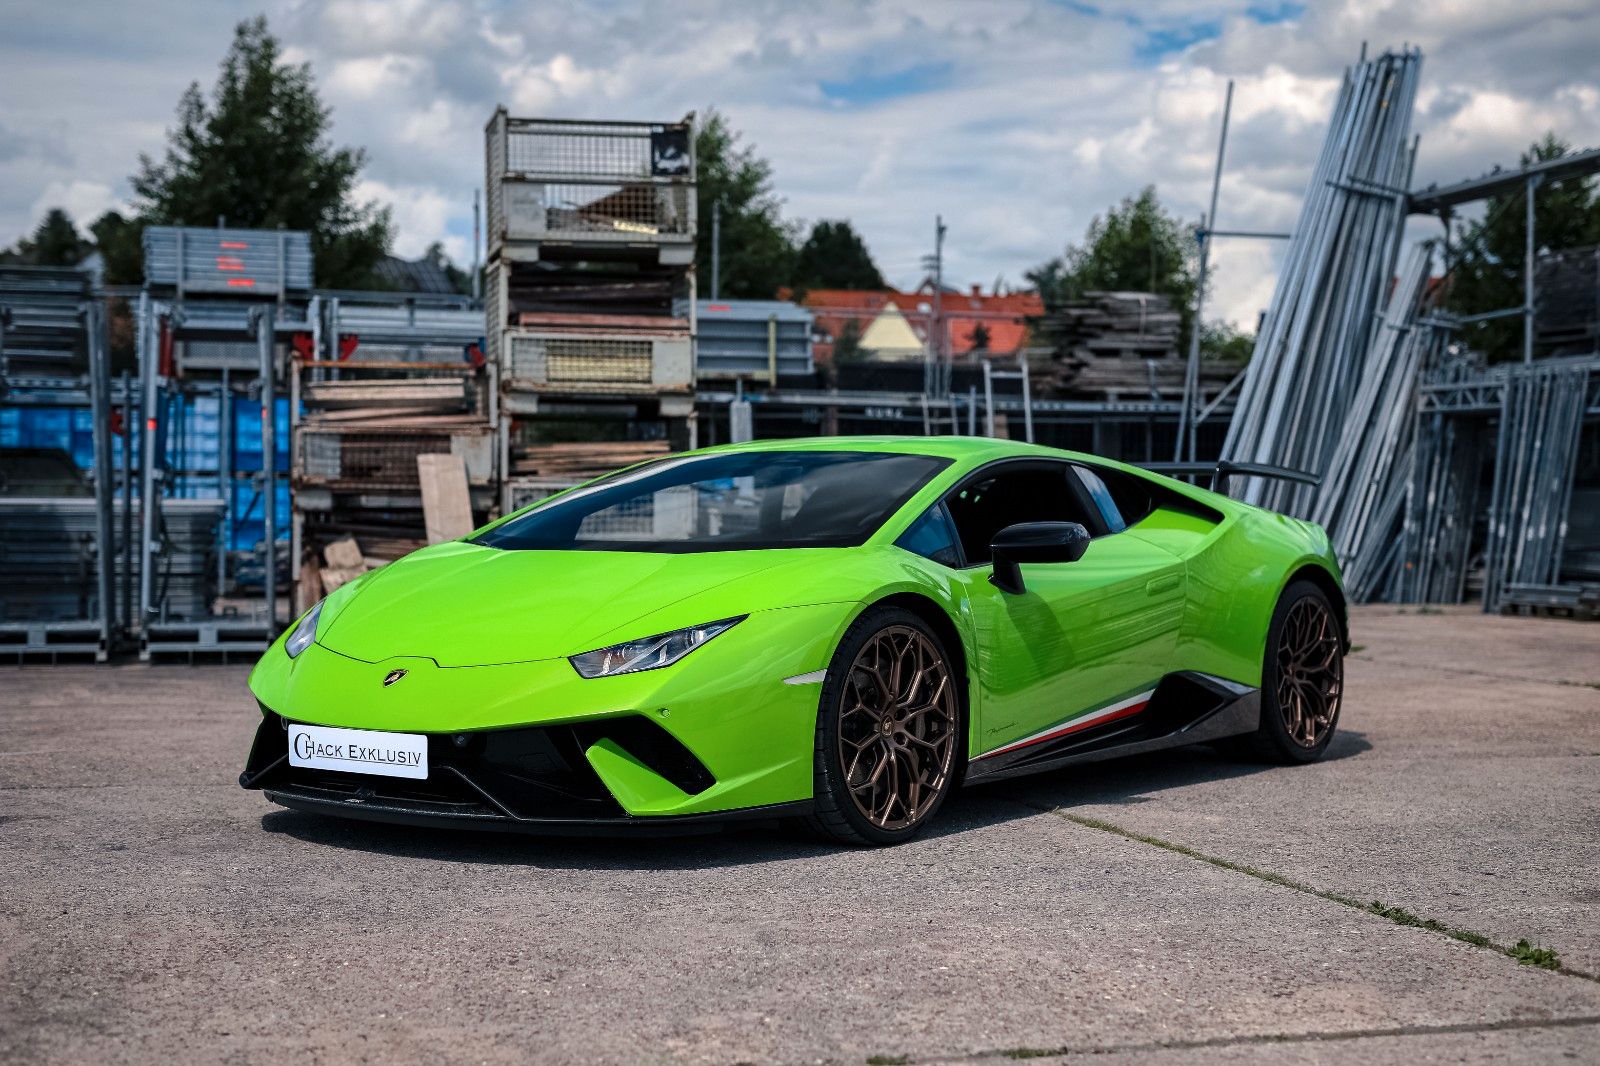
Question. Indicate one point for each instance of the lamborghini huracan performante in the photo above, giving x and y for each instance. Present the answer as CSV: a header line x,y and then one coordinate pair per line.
x,y
835,631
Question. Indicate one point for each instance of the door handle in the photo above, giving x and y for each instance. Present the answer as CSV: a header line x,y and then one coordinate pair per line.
x,y
1157,585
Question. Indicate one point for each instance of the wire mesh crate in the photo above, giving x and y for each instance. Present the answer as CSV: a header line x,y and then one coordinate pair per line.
x,y
590,183
347,458
599,362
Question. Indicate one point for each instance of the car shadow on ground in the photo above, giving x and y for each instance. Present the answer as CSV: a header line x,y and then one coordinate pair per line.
x,y
1115,782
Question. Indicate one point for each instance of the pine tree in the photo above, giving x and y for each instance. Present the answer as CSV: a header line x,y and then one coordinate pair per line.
x,y
835,257
256,154
757,254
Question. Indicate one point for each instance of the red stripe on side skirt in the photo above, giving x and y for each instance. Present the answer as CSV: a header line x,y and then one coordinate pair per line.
x,y
1070,727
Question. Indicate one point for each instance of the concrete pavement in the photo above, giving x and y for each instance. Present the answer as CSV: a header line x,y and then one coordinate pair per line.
x,y
1179,906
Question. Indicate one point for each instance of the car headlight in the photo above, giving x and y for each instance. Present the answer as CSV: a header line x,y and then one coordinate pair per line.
x,y
304,633
650,653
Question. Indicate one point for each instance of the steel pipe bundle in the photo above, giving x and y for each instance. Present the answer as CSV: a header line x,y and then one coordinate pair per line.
x,y
1310,354
1363,491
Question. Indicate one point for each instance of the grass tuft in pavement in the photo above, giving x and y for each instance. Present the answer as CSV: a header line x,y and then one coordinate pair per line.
x,y
1528,955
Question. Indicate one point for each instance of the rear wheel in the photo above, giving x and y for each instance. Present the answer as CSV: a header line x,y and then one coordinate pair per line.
x,y
888,731
1302,678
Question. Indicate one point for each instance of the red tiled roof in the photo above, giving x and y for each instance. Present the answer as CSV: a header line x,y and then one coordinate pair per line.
x,y
1003,315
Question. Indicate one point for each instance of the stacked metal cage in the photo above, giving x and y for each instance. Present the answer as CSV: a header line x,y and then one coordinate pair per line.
x,y
589,290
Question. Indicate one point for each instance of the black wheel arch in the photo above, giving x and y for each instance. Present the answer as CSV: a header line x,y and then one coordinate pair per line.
x,y
1324,580
938,619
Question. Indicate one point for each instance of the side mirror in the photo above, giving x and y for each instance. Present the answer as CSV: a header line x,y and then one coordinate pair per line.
x,y
1034,542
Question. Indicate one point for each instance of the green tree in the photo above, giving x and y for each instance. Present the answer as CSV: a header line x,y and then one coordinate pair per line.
x,y
1490,255
835,257
758,251
117,240
847,345
460,280
1135,247
979,337
1225,344
55,242
257,155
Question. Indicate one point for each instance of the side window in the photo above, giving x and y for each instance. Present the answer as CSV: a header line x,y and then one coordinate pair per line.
x,y
983,507
1110,514
932,537
1131,494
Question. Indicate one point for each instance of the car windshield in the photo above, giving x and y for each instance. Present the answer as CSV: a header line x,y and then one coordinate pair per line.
x,y
730,502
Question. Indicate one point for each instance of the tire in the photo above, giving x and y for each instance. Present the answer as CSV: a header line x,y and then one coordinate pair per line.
x,y
1302,679
874,742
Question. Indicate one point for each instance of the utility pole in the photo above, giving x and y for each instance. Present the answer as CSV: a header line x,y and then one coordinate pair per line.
x,y
1187,430
477,281
716,249
1530,251
935,382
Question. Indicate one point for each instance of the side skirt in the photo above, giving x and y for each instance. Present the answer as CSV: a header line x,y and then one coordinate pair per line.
x,y
1186,708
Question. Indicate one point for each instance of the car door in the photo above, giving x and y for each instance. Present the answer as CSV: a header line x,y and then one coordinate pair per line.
x,y
1085,640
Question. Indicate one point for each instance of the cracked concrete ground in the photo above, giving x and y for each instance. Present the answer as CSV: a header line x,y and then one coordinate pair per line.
x,y
151,911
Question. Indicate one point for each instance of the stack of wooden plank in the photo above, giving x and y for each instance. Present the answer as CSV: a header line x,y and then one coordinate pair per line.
x,y
576,461
397,396
641,291
571,322
1110,343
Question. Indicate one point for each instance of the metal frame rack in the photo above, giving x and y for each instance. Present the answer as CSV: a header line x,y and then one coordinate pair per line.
x,y
751,339
42,532
217,308
175,531
1528,418
590,296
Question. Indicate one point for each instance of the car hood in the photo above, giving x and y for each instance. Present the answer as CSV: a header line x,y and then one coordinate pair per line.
x,y
463,604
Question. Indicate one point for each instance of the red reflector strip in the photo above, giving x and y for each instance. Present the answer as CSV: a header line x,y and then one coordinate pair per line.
x,y
150,424
228,262
232,244
241,283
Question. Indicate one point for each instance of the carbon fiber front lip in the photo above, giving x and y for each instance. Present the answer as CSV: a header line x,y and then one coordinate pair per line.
x,y
459,816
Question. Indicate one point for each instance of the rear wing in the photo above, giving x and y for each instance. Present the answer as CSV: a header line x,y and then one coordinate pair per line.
x,y
1223,469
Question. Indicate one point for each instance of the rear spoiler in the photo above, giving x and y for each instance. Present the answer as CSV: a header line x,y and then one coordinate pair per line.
x,y
1223,469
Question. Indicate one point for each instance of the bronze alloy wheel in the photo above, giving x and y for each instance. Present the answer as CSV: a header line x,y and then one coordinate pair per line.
x,y
897,723
1310,671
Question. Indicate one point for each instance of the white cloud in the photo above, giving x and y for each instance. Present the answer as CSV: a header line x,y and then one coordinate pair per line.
x,y
1018,120
85,201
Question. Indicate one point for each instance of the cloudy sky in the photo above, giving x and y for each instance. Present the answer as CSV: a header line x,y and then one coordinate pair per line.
x,y
1018,120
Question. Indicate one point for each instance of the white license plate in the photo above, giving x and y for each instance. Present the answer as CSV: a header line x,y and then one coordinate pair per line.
x,y
359,751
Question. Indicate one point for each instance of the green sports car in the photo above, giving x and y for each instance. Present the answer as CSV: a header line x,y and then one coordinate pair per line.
x,y
834,630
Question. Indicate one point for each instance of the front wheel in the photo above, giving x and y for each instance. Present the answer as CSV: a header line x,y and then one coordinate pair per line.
x,y
1302,678
888,731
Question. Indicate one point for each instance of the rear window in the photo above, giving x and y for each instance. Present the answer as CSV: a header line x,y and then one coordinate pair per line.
x,y
729,502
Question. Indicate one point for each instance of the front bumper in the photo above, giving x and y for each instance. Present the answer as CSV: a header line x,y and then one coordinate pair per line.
x,y
533,746
536,779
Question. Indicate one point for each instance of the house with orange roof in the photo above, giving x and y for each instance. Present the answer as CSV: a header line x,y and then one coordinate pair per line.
x,y
969,319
